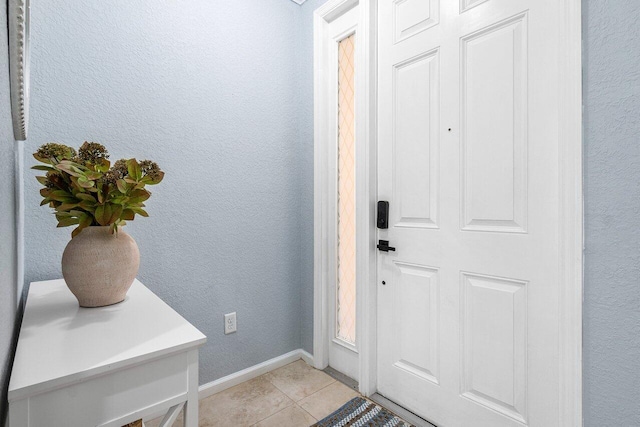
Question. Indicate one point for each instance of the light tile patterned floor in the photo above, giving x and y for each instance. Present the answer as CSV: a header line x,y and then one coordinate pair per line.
x,y
295,395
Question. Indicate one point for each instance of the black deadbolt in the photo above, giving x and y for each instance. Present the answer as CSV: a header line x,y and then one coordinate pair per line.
x,y
383,214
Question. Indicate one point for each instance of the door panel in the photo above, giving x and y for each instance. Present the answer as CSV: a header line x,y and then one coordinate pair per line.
x,y
468,160
468,4
412,16
415,141
494,343
416,353
494,140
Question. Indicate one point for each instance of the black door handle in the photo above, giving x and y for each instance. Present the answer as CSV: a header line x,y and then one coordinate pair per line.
x,y
383,245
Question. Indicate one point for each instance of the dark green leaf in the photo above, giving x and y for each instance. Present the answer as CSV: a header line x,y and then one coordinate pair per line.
x,y
61,196
87,206
140,211
128,214
85,183
84,221
122,186
103,165
158,180
140,194
103,214
66,222
134,169
92,175
85,196
71,170
66,207
41,159
116,211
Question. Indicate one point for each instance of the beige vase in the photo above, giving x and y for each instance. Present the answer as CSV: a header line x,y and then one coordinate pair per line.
x,y
99,267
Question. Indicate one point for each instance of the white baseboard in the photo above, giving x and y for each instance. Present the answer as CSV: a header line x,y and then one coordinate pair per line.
x,y
307,357
206,390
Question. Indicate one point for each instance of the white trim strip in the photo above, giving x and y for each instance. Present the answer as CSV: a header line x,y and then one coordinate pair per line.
x,y
206,390
571,214
307,357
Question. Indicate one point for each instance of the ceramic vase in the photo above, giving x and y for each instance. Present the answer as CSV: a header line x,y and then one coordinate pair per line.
x,y
99,266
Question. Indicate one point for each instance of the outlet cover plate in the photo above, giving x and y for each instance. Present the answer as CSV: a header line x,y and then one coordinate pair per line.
x,y
230,323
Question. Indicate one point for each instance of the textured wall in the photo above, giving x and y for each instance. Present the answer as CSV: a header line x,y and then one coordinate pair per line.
x,y
8,202
612,212
208,90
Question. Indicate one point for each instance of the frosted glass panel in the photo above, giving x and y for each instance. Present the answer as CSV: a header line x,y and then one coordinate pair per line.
x,y
346,301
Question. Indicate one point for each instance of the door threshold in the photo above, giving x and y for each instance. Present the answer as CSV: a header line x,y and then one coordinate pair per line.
x,y
403,413
339,376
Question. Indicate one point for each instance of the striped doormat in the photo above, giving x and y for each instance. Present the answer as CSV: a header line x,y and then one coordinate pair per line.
x,y
360,412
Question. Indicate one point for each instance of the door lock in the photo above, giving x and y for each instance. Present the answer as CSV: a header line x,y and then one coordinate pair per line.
x,y
383,214
383,245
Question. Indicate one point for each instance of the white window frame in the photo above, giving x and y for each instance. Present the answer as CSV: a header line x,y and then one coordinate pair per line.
x,y
324,208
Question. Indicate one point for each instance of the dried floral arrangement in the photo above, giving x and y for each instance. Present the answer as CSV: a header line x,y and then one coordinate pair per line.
x,y
85,190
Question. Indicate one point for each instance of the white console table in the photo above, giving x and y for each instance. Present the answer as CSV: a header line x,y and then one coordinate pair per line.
x,y
106,367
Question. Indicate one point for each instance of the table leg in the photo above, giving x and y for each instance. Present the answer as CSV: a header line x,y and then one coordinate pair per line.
x,y
171,416
191,406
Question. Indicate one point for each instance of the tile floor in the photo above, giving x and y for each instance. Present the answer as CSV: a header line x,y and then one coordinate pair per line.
x,y
295,395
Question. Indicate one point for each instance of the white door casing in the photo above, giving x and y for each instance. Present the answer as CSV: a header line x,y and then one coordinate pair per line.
x,y
332,21
469,149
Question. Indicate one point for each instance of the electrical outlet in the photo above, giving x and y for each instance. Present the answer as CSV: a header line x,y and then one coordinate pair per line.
x,y
230,323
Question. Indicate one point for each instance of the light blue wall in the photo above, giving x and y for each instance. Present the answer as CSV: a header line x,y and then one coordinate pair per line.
x,y
9,179
612,212
208,90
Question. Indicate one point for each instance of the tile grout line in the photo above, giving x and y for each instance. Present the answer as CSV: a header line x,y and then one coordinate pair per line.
x,y
291,398
294,402
275,413
318,391
335,381
311,415
265,377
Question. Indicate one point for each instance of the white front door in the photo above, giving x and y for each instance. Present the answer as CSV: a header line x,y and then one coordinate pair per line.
x,y
468,160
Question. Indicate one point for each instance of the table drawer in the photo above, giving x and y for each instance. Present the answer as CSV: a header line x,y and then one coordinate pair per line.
x,y
107,398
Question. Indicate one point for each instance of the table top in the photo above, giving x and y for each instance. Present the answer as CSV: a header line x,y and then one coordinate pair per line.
x,y
61,343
